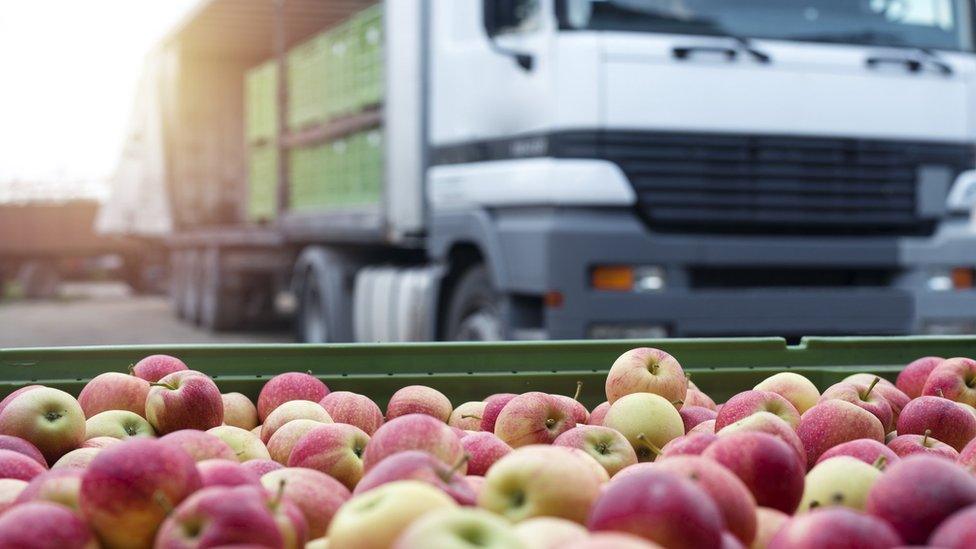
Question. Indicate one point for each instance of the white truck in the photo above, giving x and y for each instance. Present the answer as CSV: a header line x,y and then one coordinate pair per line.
x,y
591,169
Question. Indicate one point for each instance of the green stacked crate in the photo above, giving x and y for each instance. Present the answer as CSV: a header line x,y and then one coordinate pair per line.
x,y
372,167
262,200
340,85
368,26
306,83
261,129
260,106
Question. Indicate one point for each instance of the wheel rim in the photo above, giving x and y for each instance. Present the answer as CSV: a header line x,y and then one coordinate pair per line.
x,y
313,318
482,325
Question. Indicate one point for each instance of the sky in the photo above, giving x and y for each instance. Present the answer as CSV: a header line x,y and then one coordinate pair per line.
x,y
68,73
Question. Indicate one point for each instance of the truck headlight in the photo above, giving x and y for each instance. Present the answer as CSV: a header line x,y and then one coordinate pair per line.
x,y
628,278
962,196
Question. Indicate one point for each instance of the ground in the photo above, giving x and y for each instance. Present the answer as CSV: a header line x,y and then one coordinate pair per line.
x,y
106,314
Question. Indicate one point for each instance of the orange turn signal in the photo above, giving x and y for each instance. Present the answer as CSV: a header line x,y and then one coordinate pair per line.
x,y
962,278
614,278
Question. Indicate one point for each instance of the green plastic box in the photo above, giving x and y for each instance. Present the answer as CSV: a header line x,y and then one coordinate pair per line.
x,y
472,371
262,199
260,110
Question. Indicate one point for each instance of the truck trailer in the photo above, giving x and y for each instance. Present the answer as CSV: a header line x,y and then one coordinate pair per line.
x,y
555,169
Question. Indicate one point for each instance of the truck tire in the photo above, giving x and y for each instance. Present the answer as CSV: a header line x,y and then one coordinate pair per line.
x,y
220,308
323,285
475,312
312,320
177,283
193,289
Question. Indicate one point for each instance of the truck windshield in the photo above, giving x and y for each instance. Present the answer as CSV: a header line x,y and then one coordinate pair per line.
x,y
931,24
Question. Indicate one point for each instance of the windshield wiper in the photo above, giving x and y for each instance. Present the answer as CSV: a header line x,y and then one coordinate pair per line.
x,y
741,44
924,57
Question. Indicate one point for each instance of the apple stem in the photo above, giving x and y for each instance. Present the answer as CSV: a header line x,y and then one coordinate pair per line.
x,y
649,445
278,494
167,385
925,438
470,416
579,389
678,402
457,466
132,369
880,463
939,391
870,388
309,372
550,423
160,498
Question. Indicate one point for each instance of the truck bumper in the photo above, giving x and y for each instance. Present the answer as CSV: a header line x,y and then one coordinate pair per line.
x,y
946,311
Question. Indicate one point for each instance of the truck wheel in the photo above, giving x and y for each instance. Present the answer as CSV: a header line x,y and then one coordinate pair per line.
x,y
177,283
312,319
219,307
193,272
475,312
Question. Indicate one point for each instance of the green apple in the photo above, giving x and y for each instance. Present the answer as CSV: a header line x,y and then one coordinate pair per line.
x,y
549,532
800,391
50,419
647,420
117,424
460,528
842,480
245,444
290,411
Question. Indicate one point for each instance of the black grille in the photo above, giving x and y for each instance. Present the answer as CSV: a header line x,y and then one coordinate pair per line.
x,y
773,277
748,184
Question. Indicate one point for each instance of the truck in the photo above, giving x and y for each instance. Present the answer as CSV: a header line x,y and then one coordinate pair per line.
x,y
566,169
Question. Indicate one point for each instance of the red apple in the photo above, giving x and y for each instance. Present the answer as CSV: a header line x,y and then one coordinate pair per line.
x,y
20,445
660,506
532,418
156,367
905,445
599,413
608,447
239,411
757,457
800,391
693,415
695,397
958,531
283,441
485,449
100,442
290,411
768,522
747,403
218,517
318,495
493,406
765,422
49,419
9,398
44,525
834,422
58,486
413,432
261,466
10,490
223,472
291,386
864,449
576,409
917,493
611,540
419,399
417,465
114,391
954,379
864,397
127,487
947,422
828,527
78,459
692,444
647,370
18,466
184,400
911,380
335,449
199,445
353,409
467,416
706,427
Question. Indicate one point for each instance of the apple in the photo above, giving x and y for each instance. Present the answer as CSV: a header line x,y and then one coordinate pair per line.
x,y
321,543
954,379
695,397
649,421
765,422
538,481
58,486
100,442
493,406
866,398
283,441
290,411
245,444
945,420
692,444
798,390
78,459
599,473
289,518
50,419
290,386
484,450
864,449
612,540
747,403
114,391
832,526
911,380
419,399
21,446
608,447
733,498
548,532
768,522
218,517
375,519
413,432
261,466
10,490
335,449
200,445
353,409
905,445
18,466
467,416
477,483
186,399
646,370
533,418
917,493
458,527
958,531
693,415
417,465
239,411
117,424
43,524
156,367
127,486
599,413
318,495
648,504
707,427
572,404
755,458
885,388
833,422
842,480
223,472
7,399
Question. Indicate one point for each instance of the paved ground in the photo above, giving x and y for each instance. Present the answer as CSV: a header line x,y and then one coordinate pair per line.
x,y
105,314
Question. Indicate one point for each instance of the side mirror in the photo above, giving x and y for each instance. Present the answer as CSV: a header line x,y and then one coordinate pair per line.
x,y
500,16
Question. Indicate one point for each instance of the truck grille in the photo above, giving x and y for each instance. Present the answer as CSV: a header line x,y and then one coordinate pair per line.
x,y
747,184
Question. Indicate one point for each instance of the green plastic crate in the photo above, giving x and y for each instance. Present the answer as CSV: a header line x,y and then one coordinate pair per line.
x,y
471,371
368,26
262,199
261,111
306,84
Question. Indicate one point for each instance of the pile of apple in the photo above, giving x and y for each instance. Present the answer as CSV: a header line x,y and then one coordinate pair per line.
x,y
160,458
